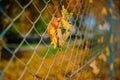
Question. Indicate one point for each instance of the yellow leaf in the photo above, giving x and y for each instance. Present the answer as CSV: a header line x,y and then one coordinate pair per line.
x,y
69,15
90,1
93,65
66,35
107,51
65,13
66,25
100,57
104,11
54,42
60,37
52,31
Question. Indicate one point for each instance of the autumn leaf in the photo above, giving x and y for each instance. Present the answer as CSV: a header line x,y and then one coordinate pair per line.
x,y
52,31
65,14
93,65
66,35
90,1
55,31
103,57
54,42
60,37
65,24
104,11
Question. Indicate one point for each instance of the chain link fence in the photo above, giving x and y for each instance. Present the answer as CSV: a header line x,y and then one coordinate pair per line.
x,y
31,46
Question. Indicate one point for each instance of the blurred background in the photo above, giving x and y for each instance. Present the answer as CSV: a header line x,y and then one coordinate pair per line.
x,y
91,52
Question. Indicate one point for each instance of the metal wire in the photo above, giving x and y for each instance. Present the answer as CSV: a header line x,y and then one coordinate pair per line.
x,y
62,59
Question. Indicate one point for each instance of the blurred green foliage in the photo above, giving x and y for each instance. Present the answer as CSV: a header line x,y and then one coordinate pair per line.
x,y
12,33
41,26
52,51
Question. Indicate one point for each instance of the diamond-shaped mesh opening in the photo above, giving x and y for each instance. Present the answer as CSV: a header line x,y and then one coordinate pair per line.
x,y
23,26
35,62
54,8
41,25
42,73
23,3
13,69
4,23
30,11
29,75
12,39
33,38
39,4
8,8
26,52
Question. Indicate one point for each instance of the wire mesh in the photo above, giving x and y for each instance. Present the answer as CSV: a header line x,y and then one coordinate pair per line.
x,y
26,52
